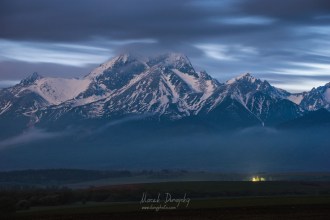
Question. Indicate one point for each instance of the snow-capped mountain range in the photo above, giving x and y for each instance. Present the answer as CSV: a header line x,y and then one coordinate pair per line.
x,y
164,87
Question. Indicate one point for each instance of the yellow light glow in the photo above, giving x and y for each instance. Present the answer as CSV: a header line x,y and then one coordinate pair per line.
x,y
257,179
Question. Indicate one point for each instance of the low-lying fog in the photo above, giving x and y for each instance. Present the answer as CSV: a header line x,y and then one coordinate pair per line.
x,y
245,150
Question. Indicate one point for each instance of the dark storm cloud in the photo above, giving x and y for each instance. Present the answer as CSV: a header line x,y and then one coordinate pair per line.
x,y
80,20
120,19
65,20
261,36
297,11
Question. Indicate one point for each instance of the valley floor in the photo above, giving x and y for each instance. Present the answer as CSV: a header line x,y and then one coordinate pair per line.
x,y
53,195
312,207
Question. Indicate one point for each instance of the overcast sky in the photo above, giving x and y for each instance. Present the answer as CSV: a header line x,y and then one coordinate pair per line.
x,y
285,41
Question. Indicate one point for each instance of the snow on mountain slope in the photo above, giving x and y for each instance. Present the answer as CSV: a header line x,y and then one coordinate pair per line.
x,y
317,98
5,108
161,89
172,88
257,97
107,65
249,84
207,84
189,79
164,86
245,76
59,90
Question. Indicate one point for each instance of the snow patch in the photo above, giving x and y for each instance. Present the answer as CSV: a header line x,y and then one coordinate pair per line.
x,y
296,98
58,90
190,80
208,89
5,108
99,70
175,95
231,81
164,95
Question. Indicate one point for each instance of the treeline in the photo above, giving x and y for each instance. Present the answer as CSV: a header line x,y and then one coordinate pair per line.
x,y
22,198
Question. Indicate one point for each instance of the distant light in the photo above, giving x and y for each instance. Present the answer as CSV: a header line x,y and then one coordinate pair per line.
x,y
258,179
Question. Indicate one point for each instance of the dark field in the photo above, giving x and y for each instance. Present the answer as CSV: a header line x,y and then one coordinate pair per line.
x,y
233,208
208,200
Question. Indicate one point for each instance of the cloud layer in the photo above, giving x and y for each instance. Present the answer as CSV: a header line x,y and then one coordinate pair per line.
x,y
267,38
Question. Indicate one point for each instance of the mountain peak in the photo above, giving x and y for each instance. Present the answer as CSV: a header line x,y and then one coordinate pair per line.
x,y
178,59
173,60
205,75
169,58
127,57
121,59
174,56
31,78
245,76
163,85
